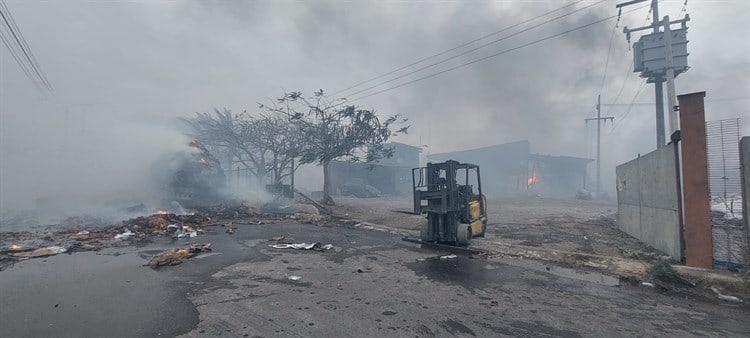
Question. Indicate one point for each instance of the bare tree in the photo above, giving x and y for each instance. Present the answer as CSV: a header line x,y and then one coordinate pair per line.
x,y
285,144
267,144
333,130
238,136
215,131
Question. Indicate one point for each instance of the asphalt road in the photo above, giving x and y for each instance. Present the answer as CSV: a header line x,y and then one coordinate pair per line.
x,y
369,284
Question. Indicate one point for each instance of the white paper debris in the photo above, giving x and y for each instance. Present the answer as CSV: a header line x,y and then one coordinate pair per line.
x,y
302,246
725,297
56,249
448,257
125,235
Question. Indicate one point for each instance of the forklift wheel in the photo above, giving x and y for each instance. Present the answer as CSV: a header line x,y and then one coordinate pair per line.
x,y
424,233
463,234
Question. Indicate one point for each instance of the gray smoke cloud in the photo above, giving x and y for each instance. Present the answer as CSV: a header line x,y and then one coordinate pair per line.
x,y
123,72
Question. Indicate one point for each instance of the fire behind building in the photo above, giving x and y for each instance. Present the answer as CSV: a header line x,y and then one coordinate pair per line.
x,y
508,169
197,178
511,169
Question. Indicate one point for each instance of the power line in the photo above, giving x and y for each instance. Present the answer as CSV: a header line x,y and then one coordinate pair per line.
x,y
18,37
684,8
627,69
476,48
20,63
609,51
721,99
455,48
23,40
637,92
491,56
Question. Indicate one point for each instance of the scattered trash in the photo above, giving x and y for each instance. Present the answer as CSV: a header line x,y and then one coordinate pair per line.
x,y
178,255
186,232
586,237
648,284
276,239
82,233
302,246
125,235
448,257
360,271
294,278
41,252
230,230
725,297
420,259
173,226
15,247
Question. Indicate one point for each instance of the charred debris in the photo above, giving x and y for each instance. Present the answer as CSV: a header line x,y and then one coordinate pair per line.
x,y
196,204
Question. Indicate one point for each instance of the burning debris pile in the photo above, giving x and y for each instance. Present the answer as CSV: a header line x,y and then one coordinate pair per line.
x,y
198,179
89,235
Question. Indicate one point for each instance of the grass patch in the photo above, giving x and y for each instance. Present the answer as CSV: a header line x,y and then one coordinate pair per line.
x,y
662,271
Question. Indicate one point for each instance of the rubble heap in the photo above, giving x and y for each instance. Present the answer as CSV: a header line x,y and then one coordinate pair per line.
x,y
84,234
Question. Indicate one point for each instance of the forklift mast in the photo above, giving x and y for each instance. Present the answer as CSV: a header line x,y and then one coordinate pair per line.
x,y
449,203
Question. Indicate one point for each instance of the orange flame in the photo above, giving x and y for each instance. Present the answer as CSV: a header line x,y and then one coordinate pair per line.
x,y
532,180
161,211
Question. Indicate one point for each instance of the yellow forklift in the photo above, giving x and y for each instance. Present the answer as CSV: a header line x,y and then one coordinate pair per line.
x,y
455,211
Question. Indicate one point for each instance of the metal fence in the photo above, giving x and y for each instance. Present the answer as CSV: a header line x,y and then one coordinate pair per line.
x,y
240,177
729,232
723,146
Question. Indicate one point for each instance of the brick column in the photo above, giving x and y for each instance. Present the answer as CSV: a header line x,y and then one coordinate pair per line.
x,y
695,189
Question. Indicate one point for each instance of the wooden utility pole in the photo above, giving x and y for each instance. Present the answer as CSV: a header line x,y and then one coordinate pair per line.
x,y
598,120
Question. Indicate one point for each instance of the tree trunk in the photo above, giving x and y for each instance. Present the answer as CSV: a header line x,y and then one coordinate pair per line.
x,y
261,172
327,199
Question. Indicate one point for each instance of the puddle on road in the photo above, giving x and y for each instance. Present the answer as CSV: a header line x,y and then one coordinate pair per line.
x,y
476,273
461,270
593,277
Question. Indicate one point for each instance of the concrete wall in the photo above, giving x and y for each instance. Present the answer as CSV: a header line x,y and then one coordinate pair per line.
x,y
647,198
745,177
745,180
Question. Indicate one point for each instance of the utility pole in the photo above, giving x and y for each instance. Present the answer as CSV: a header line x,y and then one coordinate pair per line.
x,y
658,80
671,99
598,120
655,69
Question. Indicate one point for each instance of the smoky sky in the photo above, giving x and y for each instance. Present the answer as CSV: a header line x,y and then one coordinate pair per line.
x,y
123,71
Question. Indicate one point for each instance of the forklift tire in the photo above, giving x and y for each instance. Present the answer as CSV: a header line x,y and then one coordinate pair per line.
x,y
463,234
424,233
